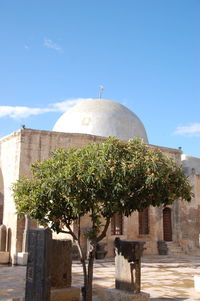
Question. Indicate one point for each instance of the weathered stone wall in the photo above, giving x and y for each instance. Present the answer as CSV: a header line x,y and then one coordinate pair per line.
x,y
189,213
190,218
131,231
9,165
20,149
38,145
1,197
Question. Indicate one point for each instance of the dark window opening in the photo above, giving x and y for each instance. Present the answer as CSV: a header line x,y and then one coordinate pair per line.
x,y
144,221
117,224
167,224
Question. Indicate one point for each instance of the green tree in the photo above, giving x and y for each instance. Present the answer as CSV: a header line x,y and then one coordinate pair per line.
x,y
99,179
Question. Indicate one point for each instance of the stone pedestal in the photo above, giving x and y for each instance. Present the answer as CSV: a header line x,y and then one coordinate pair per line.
x,y
3,238
4,257
25,234
128,265
127,272
22,258
111,294
197,283
63,294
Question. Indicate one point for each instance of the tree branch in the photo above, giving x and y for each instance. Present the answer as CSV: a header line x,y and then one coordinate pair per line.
x,y
82,257
70,230
103,233
63,231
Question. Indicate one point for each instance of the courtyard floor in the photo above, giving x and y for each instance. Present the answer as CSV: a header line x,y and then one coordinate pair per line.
x,y
164,277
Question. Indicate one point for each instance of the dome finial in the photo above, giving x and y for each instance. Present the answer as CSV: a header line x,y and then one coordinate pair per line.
x,y
101,90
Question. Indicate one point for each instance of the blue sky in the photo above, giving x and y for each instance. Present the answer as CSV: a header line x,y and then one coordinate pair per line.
x,y
146,53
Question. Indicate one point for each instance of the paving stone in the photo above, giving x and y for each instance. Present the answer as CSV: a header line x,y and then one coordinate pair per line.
x,y
166,278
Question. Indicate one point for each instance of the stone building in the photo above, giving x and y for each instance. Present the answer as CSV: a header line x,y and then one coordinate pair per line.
x,y
92,120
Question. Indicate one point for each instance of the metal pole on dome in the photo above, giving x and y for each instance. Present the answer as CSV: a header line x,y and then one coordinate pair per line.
x,y
101,90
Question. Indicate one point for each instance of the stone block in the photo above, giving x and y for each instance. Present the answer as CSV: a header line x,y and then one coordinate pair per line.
x,y
197,283
111,294
22,258
61,263
63,294
4,257
37,273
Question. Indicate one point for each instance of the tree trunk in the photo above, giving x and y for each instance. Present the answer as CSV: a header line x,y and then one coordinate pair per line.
x,y
87,272
90,274
85,279
87,292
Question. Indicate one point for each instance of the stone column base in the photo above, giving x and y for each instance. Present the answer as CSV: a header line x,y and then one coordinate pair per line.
x,y
4,257
22,258
63,294
111,294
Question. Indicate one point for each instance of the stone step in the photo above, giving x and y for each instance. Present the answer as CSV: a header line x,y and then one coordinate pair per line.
x,y
172,251
174,248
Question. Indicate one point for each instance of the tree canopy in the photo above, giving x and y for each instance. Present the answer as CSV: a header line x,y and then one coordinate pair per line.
x,y
106,178
100,179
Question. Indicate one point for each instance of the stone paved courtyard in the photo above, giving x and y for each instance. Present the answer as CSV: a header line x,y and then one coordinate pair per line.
x,y
164,277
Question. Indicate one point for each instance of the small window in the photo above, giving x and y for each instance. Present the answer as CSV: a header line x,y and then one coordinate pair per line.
x,y
144,221
117,224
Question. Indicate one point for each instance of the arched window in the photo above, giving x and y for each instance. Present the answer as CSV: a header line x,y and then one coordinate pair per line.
x,y
117,224
144,221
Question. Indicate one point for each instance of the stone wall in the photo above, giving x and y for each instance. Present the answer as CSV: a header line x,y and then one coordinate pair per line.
x,y
1,197
38,145
190,215
10,147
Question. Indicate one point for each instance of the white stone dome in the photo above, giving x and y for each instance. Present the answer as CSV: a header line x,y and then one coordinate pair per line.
x,y
101,117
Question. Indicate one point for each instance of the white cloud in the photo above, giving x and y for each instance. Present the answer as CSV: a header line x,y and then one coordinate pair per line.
x,y
20,112
65,105
16,112
50,44
192,130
